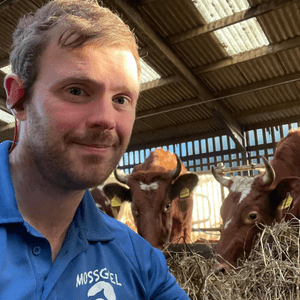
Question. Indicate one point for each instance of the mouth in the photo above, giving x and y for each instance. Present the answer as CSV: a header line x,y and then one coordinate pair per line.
x,y
94,148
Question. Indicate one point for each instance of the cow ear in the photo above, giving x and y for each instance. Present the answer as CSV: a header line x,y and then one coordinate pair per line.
x,y
287,190
183,186
113,190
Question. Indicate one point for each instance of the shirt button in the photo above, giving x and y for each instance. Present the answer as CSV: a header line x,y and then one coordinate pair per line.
x,y
36,250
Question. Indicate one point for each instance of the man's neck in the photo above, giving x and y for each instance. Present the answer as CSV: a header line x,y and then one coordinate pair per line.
x,y
46,207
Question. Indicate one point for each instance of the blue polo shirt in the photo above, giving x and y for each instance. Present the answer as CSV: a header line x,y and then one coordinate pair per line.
x,y
101,258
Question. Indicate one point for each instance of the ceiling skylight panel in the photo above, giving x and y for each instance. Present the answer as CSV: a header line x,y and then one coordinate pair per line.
x,y
6,117
237,38
6,69
147,73
213,10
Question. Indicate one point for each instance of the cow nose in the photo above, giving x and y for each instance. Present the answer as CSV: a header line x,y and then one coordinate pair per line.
x,y
220,267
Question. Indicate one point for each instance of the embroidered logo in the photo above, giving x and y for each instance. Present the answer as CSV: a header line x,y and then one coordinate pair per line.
x,y
100,286
103,283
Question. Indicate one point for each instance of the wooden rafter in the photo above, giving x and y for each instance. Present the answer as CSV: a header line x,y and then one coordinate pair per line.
x,y
6,3
249,55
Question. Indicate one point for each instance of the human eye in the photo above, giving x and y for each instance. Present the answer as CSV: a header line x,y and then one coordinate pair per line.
x,y
121,100
76,91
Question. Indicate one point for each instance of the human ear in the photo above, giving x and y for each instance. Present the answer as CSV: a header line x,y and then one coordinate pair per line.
x,y
16,95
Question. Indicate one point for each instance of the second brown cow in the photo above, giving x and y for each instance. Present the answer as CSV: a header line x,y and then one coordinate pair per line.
x,y
259,199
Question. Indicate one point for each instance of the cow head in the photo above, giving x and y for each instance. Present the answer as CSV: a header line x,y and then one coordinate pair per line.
x,y
151,194
247,204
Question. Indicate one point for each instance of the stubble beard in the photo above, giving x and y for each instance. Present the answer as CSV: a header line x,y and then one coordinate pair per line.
x,y
57,163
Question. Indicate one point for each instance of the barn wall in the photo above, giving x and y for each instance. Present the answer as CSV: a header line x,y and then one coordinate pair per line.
x,y
202,154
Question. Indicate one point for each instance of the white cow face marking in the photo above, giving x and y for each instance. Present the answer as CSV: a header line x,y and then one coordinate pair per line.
x,y
148,187
242,185
227,223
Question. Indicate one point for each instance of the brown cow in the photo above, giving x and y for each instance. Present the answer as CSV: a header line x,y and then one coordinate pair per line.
x,y
103,202
253,200
107,202
160,192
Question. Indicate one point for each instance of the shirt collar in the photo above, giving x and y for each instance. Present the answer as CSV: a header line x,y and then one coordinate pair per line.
x,y
88,218
92,220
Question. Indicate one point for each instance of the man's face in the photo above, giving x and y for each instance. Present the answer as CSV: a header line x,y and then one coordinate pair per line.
x,y
81,113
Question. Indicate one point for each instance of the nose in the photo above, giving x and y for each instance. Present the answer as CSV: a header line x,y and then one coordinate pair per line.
x,y
218,269
102,114
221,267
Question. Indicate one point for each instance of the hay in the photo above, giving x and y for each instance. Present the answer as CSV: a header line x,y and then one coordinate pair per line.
x,y
271,272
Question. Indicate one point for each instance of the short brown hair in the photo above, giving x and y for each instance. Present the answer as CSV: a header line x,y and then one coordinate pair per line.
x,y
78,21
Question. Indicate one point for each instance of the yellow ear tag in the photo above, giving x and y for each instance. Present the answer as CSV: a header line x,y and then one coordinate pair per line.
x,y
116,201
184,193
287,201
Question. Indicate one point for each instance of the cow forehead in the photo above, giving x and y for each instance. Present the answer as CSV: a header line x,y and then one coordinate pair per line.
x,y
242,185
149,186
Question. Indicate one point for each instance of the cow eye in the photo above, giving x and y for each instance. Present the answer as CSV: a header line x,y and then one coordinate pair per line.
x,y
135,212
168,207
253,216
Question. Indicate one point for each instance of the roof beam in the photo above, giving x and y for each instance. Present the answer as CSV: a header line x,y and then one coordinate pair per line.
x,y
253,87
267,109
7,132
6,4
249,55
4,63
232,128
3,105
165,133
157,42
168,108
230,20
7,127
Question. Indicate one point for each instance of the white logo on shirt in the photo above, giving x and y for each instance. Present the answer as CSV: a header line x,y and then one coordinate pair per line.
x,y
103,282
95,276
107,288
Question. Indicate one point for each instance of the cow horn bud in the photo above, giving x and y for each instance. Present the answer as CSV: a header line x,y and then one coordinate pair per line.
x,y
223,180
175,173
269,176
120,176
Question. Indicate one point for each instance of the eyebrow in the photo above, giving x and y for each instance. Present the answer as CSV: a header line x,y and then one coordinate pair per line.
x,y
89,80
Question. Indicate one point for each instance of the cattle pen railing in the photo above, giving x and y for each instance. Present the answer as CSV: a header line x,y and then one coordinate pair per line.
x,y
208,197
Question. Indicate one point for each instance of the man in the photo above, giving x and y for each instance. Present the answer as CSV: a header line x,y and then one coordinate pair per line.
x,y
73,89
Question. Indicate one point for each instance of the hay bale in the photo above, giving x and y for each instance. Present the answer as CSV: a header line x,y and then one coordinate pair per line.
x,y
271,272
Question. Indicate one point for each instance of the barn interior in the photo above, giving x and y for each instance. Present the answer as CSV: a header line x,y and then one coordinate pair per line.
x,y
220,85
